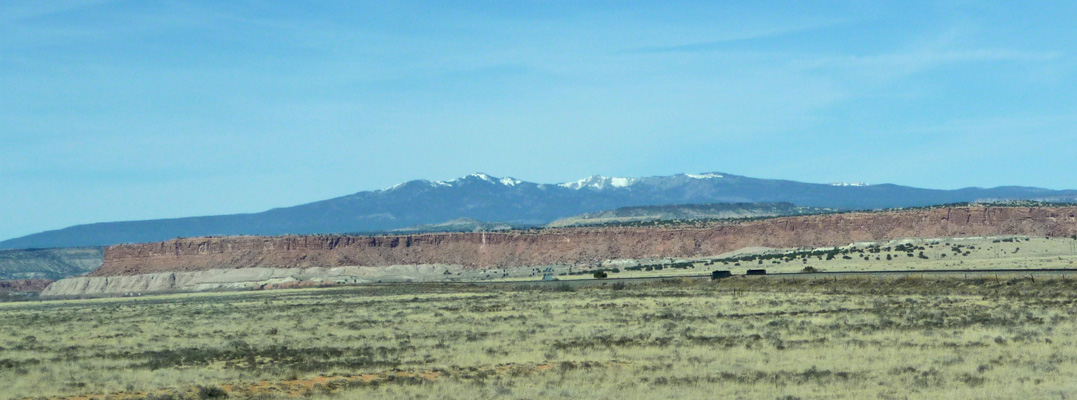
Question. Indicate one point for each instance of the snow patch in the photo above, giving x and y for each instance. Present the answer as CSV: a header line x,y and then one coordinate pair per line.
x,y
599,182
483,177
704,176
621,182
849,184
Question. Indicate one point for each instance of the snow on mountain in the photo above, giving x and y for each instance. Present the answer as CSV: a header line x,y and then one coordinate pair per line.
x,y
487,198
482,176
472,177
849,184
599,182
476,176
422,181
595,182
704,176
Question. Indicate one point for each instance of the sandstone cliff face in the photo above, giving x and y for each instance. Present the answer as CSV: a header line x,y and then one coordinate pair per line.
x,y
576,245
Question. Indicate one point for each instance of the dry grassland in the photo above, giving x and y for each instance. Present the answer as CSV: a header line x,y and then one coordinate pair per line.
x,y
1008,252
852,338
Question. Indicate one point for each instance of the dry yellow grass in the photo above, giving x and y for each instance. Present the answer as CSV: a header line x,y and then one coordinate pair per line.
x,y
1009,252
739,338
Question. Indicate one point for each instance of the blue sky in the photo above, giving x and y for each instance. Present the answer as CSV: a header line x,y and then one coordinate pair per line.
x,y
121,110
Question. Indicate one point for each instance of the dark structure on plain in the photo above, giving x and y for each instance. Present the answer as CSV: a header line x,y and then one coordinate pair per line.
x,y
547,275
715,275
757,272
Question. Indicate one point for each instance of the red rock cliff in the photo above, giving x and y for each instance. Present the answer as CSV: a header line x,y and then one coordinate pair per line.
x,y
578,245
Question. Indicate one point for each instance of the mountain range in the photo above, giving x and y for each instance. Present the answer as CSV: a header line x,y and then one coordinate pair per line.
x,y
511,201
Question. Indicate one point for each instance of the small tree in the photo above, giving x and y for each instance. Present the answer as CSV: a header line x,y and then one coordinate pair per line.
x,y
601,275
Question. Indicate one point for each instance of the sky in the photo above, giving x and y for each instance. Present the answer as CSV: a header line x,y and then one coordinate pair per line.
x,y
127,110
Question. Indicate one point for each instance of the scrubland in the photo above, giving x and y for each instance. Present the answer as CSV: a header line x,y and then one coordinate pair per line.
x,y
844,338
1008,252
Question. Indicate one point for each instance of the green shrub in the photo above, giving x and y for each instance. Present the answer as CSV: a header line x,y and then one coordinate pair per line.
x,y
211,392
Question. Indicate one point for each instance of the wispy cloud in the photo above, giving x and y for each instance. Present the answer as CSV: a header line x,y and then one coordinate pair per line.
x,y
912,62
1015,125
745,35
956,45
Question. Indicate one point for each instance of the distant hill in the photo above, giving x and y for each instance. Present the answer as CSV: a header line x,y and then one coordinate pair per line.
x,y
486,198
49,263
687,212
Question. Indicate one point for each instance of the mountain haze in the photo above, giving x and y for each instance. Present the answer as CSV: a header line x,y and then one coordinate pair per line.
x,y
486,198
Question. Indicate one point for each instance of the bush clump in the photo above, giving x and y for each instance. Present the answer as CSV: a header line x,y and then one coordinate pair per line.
x,y
211,392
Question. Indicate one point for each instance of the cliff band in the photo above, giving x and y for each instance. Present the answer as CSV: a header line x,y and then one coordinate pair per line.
x,y
577,245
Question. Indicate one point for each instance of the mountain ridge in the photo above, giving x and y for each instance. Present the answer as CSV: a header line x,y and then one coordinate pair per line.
x,y
484,197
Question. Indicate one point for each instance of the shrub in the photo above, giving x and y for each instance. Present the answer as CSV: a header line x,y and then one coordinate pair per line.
x,y
601,275
211,392
618,286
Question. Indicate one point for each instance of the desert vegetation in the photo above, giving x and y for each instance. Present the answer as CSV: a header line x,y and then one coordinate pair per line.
x,y
749,338
975,253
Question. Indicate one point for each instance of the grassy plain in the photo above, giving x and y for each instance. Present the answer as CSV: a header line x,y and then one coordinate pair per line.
x,y
850,338
1009,252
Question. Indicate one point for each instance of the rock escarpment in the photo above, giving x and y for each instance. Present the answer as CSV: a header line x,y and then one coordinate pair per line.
x,y
577,245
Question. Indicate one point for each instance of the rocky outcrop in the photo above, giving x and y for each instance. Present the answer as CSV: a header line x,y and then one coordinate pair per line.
x,y
238,279
576,245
